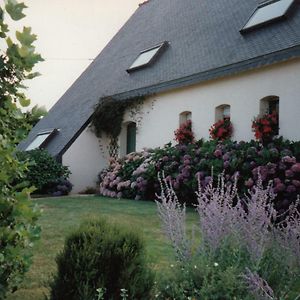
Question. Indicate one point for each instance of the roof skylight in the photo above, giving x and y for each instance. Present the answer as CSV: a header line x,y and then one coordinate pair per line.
x,y
147,57
40,140
267,12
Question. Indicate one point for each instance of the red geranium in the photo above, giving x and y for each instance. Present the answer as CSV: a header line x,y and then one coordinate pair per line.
x,y
221,130
184,134
265,127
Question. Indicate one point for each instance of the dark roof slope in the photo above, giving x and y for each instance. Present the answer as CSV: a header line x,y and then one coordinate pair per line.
x,y
204,43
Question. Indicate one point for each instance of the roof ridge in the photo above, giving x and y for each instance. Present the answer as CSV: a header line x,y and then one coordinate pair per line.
x,y
143,3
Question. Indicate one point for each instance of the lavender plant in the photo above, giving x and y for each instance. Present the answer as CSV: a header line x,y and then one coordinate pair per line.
x,y
173,214
240,241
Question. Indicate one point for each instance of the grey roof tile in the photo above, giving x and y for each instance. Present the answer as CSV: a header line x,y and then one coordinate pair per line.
x,y
205,43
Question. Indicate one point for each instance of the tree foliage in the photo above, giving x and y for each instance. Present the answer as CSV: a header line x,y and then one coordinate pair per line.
x,y
18,217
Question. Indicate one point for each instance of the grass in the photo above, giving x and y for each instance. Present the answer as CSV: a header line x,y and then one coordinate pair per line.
x,y
60,216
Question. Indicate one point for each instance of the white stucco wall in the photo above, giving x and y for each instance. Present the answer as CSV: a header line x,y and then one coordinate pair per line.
x,y
159,115
86,157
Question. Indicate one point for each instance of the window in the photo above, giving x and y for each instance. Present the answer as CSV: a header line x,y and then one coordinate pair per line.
x,y
269,105
222,112
184,117
131,138
40,140
267,12
147,57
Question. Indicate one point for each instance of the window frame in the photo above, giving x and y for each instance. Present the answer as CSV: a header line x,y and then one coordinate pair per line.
x,y
161,47
219,112
50,133
264,4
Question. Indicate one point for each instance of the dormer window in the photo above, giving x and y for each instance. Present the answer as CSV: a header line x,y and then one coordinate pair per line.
x,y
147,57
41,139
267,12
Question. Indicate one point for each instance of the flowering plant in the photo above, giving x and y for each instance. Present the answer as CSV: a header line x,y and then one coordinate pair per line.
x,y
265,127
184,134
221,130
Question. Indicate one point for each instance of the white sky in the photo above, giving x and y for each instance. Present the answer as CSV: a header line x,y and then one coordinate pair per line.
x,y
70,34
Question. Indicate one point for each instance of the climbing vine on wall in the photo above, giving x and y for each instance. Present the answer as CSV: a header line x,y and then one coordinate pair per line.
x,y
109,114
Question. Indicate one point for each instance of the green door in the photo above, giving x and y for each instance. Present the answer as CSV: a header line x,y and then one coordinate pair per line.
x,y
131,138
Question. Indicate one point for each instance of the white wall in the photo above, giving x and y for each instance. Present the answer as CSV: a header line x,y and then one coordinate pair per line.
x,y
159,115
86,157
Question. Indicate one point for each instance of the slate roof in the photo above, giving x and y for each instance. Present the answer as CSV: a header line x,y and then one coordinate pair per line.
x,y
204,43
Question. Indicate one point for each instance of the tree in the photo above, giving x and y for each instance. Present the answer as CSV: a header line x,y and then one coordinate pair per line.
x,y
18,216
35,114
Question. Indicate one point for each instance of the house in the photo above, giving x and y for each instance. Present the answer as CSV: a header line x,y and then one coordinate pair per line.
x,y
190,59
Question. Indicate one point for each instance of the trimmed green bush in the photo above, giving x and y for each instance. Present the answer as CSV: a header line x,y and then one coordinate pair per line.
x,y
45,173
102,255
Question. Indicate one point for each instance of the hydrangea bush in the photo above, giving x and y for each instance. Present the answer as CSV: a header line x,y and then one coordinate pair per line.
x,y
134,176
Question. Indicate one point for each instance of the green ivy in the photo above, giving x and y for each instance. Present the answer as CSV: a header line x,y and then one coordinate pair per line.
x,y
109,114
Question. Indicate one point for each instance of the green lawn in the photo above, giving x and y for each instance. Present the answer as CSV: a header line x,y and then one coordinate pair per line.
x,y
62,215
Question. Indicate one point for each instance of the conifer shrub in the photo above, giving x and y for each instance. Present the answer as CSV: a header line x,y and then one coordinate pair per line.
x,y
102,255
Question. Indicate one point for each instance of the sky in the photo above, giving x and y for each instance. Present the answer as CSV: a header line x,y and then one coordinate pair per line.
x,y
70,34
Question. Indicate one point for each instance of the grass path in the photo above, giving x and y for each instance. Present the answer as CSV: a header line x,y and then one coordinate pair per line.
x,y
60,216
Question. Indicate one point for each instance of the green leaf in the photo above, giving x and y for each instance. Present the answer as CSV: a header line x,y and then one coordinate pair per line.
x,y
15,9
9,42
23,51
24,102
26,38
33,75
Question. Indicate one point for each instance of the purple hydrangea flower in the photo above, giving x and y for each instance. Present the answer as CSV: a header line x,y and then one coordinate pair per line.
x,y
296,168
291,189
218,153
289,159
289,173
249,183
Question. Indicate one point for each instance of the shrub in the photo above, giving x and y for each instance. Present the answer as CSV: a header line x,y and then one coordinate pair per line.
x,y
45,173
240,254
100,255
134,176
